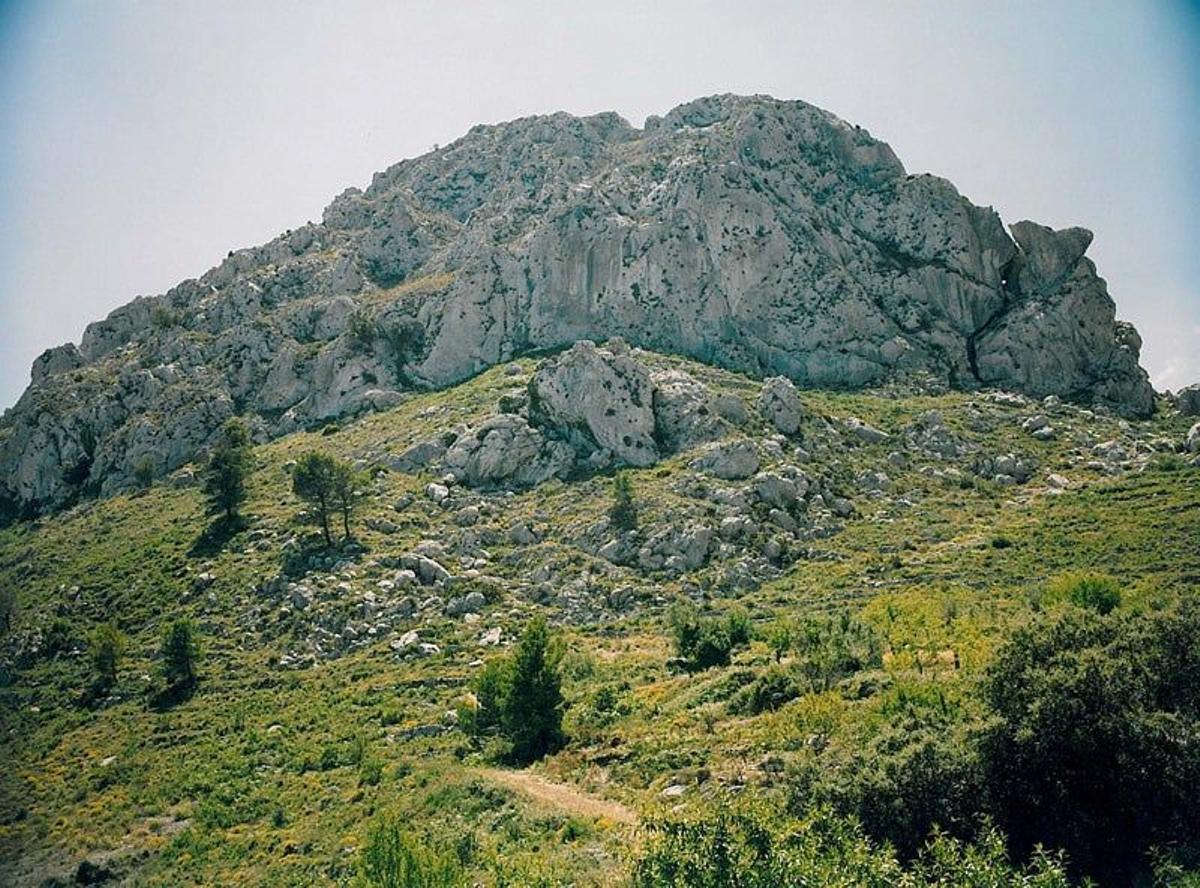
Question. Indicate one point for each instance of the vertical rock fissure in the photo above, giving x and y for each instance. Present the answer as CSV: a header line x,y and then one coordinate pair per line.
x,y
1007,290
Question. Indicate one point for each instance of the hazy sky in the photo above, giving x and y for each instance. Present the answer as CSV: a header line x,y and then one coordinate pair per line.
x,y
139,142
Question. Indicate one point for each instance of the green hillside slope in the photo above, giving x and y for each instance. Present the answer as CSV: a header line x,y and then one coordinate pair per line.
x,y
314,715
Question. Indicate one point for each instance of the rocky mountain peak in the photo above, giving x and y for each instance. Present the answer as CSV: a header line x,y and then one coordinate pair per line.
x,y
764,236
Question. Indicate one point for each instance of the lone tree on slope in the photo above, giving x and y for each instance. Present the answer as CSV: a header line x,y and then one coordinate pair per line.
x,y
228,467
327,484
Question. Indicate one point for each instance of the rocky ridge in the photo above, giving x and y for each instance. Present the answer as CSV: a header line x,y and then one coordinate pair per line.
x,y
764,236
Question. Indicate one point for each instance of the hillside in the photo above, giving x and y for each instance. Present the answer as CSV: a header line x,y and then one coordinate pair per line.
x,y
936,525
764,236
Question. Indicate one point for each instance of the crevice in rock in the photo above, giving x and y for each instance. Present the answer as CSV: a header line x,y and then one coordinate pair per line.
x,y
1008,292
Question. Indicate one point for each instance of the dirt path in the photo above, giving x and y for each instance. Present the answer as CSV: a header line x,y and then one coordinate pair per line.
x,y
560,795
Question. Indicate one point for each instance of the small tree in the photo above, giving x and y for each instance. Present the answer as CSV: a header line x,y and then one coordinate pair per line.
x,y
623,513
345,494
520,696
327,484
532,716
106,647
179,655
228,467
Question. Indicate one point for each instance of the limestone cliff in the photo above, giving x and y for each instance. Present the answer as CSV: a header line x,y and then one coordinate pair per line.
x,y
765,236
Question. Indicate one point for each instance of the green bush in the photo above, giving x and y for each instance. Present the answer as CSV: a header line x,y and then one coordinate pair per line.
x,y
519,697
833,648
915,777
772,689
703,642
392,858
1098,593
1091,745
780,636
753,846
361,331
143,472
8,609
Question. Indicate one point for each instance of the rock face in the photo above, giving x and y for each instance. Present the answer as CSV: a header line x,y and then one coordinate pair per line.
x,y
600,398
589,406
1188,400
764,236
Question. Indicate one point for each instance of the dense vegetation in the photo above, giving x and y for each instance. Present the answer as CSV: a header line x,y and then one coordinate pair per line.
x,y
910,702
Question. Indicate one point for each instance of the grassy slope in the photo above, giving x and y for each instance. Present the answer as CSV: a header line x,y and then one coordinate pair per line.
x,y
264,777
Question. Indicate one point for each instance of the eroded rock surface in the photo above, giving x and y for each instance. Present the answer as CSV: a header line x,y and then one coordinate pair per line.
x,y
765,236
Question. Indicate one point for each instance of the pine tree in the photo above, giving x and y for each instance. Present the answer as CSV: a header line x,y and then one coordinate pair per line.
x,y
229,465
532,713
179,655
327,484
106,646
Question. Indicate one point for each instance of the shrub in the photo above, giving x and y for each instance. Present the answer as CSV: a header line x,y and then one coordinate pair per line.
x,y
833,648
361,331
914,777
519,697
8,608
1091,746
179,655
703,642
392,858
624,512
1089,591
779,638
163,317
106,647
766,693
229,465
754,847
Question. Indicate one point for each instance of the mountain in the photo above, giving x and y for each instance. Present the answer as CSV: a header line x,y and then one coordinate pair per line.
x,y
763,236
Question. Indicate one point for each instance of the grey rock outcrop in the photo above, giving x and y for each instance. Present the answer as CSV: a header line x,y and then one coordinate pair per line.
x,y
1187,400
683,416
765,236
779,403
505,451
598,397
730,461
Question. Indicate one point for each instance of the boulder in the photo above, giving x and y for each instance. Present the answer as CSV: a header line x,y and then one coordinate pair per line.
x,y
599,398
682,415
505,451
777,491
865,433
730,461
1187,400
779,403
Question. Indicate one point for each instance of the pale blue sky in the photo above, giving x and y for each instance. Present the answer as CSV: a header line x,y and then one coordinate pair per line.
x,y
140,141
